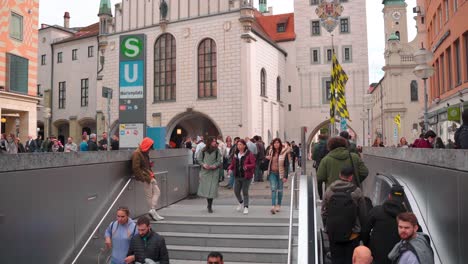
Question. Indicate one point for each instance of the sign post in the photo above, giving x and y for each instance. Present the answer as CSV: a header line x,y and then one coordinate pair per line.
x,y
132,90
107,93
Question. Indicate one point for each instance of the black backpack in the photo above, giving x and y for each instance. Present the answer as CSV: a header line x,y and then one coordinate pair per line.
x,y
342,214
322,152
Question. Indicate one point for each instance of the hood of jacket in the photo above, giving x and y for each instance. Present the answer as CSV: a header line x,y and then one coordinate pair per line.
x,y
393,207
146,144
340,153
341,185
421,246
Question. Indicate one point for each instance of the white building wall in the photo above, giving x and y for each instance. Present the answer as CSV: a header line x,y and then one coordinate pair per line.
x,y
308,107
71,72
226,109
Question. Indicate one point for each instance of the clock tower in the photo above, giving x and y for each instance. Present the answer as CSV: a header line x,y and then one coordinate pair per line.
x,y
396,26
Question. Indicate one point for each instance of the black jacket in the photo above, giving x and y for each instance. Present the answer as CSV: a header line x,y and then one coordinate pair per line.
x,y
153,248
461,137
92,146
380,233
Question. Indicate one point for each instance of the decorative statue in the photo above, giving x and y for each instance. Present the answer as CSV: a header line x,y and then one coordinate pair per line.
x,y
163,9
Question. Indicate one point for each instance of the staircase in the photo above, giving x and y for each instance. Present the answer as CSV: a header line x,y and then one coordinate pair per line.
x,y
191,233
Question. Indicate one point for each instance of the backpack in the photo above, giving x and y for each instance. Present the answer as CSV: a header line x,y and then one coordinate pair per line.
x,y
322,152
342,214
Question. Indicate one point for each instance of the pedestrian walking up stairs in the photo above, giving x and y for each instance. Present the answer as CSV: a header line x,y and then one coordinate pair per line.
x,y
259,237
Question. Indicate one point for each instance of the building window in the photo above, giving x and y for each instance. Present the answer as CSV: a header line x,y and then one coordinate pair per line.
x,y
397,33
207,70
43,59
414,91
289,107
315,27
61,95
458,78
16,26
347,54
439,13
278,89
38,92
17,74
315,56
465,38
455,5
326,96
90,51
328,54
84,92
314,2
263,82
289,88
59,57
281,27
344,25
343,1
446,6
74,54
165,68
449,68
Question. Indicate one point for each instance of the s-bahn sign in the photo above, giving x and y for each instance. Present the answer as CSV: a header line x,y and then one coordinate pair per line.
x,y
329,12
132,89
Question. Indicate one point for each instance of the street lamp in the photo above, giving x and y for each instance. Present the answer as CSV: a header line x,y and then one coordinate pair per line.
x,y
423,71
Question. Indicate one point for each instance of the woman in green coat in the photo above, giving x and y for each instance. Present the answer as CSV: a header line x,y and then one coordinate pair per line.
x,y
210,161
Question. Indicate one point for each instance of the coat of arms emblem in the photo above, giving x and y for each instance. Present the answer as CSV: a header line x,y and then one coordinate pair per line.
x,y
329,12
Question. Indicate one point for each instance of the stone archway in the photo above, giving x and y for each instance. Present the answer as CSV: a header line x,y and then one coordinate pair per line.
x,y
190,124
325,126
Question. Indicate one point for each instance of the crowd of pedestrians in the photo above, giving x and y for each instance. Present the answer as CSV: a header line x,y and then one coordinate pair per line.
x,y
358,232
430,139
10,144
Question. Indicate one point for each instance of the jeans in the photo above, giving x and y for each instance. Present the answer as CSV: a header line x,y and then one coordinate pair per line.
x,y
258,173
276,186
231,180
242,184
342,252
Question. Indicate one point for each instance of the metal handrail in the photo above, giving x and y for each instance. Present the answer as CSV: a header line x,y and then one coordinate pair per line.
x,y
293,183
100,222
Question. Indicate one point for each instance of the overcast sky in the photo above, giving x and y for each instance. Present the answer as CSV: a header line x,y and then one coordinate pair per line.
x,y
84,12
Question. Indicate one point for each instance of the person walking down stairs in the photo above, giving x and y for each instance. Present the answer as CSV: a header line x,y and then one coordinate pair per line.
x,y
210,161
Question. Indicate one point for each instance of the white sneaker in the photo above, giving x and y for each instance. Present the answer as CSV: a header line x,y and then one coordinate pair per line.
x,y
246,210
155,215
239,207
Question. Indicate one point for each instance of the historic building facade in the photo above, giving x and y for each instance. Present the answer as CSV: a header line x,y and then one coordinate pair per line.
x,y
399,92
308,99
445,34
18,67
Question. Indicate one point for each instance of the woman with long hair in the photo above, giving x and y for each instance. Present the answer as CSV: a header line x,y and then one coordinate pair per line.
x,y
243,168
118,235
378,142
210,161
277,172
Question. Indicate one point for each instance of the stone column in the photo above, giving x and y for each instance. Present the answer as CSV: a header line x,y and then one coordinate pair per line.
x,y
75,129
100,123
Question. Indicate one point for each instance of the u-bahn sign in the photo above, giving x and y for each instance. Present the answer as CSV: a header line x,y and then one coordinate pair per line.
x,y
132,90
329,12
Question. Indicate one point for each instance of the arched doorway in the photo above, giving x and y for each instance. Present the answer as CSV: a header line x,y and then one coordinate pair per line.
x,y
190,124
324,128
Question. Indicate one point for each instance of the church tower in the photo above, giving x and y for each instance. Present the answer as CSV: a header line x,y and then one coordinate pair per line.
x,y
395,19
105,17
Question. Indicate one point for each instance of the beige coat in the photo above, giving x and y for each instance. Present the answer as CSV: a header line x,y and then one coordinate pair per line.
x,y
282,167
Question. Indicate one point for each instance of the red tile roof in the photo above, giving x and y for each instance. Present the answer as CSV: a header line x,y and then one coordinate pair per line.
x,y
269,26
89,31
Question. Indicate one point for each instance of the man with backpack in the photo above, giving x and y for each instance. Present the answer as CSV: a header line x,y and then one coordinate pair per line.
x,y
414,247
380,233
340,214
320,150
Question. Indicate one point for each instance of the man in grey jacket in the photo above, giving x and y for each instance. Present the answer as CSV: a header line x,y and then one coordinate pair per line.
x,y
414,247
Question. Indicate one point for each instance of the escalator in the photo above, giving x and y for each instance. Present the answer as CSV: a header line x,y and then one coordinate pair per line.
x,y
314,242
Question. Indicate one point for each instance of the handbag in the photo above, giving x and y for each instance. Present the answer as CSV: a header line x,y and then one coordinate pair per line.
x,y
264,164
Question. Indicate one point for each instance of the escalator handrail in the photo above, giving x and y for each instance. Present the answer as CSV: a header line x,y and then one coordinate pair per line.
x,y
293,193
100,221
303,229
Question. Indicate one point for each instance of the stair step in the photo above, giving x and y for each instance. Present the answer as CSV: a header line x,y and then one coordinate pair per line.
x,y
223,227
243,255
179,261
226,240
